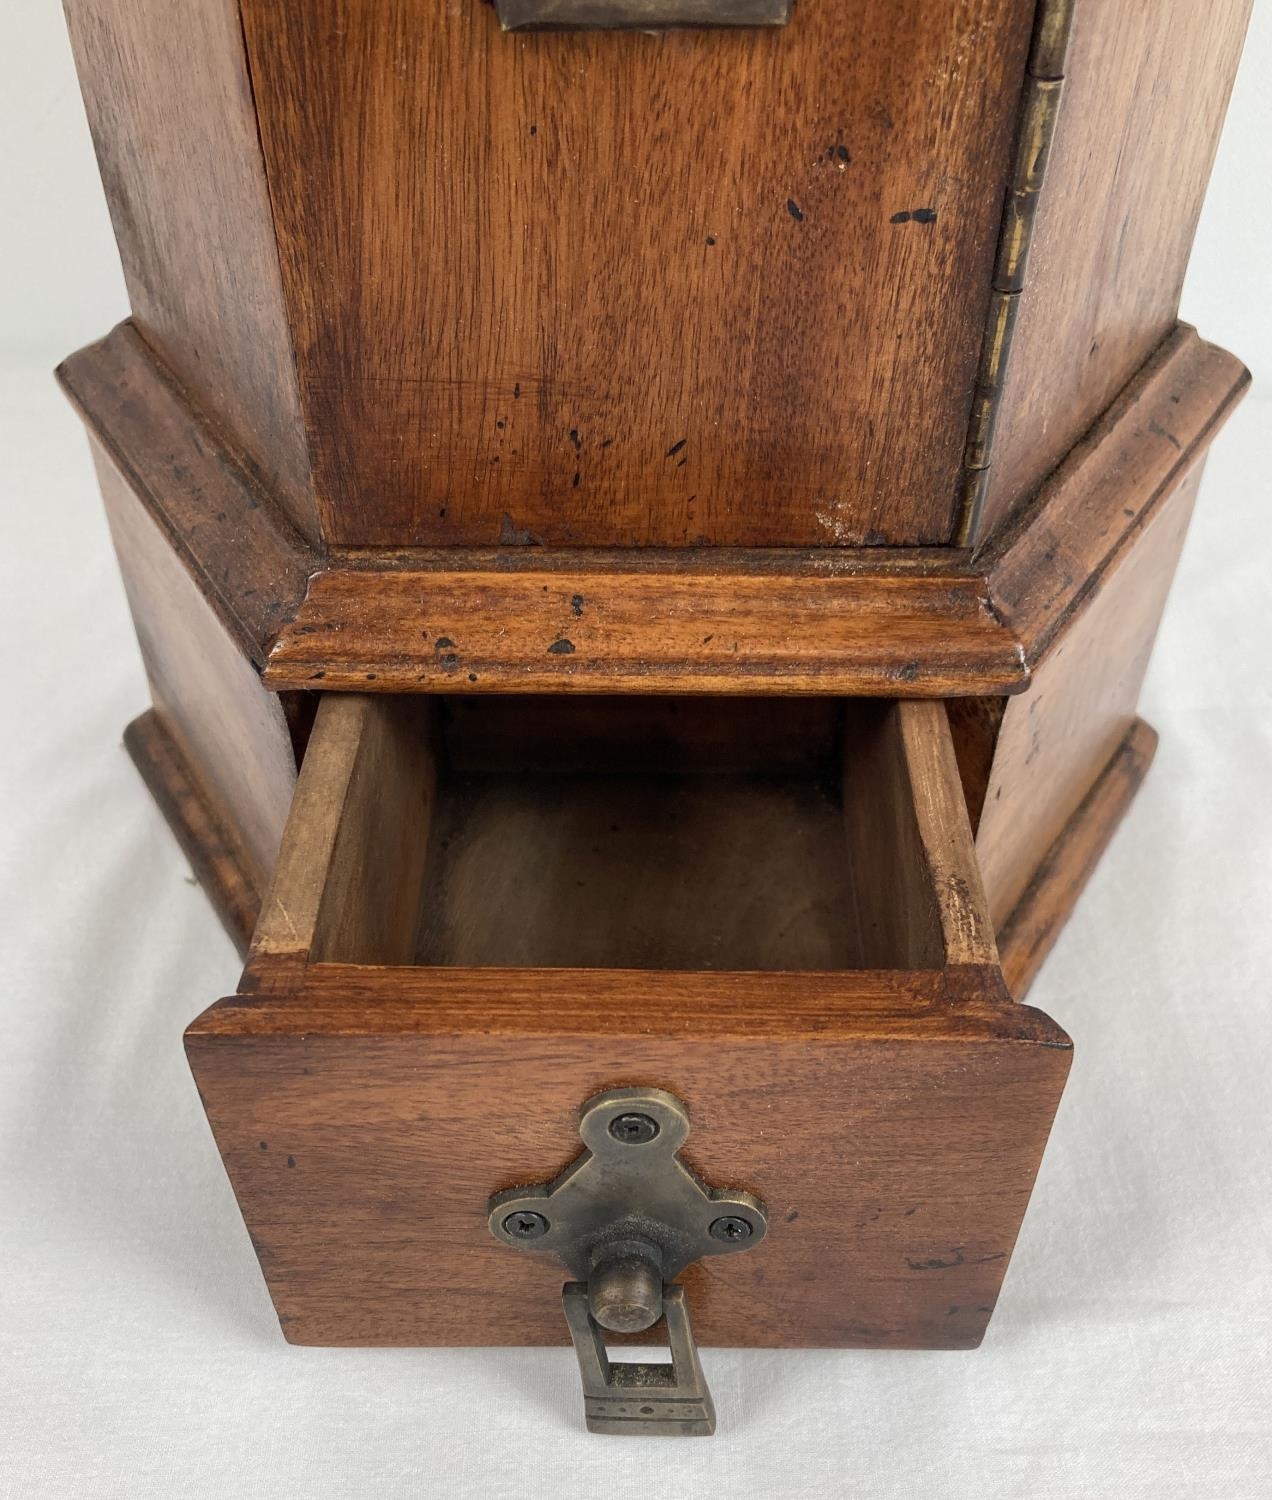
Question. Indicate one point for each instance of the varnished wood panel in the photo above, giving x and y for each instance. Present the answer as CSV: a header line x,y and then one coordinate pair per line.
x,y
1035,922
695,287
1146,87
874,622
1056,738
231,734
892,1124
171,111
214,853
916,888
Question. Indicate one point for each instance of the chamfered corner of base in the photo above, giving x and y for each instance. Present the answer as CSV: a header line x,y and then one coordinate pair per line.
x,y
1037,920
213,858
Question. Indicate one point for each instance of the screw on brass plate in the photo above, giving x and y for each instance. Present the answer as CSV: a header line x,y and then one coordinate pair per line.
x,y
525,1226
730,1230
632,1129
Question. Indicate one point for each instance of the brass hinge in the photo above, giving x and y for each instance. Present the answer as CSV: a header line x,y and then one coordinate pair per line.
x,y
1039,111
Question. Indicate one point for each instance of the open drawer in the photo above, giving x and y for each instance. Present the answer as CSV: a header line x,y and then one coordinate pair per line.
x,y
487,910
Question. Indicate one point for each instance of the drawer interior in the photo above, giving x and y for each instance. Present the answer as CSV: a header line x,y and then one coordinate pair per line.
x,y
487,910
691,834
582,870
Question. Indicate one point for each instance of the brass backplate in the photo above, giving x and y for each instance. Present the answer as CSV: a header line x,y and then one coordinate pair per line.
x,y
638,15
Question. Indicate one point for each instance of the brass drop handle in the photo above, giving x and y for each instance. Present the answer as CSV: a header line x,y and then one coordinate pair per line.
x,y
638,15
645,1400
626,1218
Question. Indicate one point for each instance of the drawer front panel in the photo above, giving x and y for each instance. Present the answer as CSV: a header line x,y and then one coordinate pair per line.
x,y
799,953
893,1140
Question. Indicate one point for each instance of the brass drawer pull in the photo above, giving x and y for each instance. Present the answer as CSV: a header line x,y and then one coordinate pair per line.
x,y
637,15
626,1218
644,1400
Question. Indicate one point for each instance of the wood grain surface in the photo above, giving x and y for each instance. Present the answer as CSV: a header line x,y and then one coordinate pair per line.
x,y
213,851
350,863
892,1120
882,623
922,622
170,107
242,555
231,734
917,889
1146,87
1031,928
1055,739
692,289
1055,558
594,870
892,1124
689,833
677,625
633,289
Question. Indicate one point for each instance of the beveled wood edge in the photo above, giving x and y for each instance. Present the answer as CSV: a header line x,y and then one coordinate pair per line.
x,y
213,856
856,626
861,633
862,622
246,559
968,1003
1053,557
1030,932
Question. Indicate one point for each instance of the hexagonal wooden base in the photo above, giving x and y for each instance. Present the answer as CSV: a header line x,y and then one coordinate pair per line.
x,y
866,621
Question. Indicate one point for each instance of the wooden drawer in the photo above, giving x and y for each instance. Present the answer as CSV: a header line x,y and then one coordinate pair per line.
x,y
486,911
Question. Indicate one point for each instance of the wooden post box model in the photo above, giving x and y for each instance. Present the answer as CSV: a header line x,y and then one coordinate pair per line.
x,y
646,521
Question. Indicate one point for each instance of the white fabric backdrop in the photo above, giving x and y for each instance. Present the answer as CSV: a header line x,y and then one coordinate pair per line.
x,y
139,1356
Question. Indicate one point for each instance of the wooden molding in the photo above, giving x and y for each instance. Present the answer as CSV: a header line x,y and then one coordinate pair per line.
x,y
1038,918
213,853
923,622
1048,565
687,625
249,563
